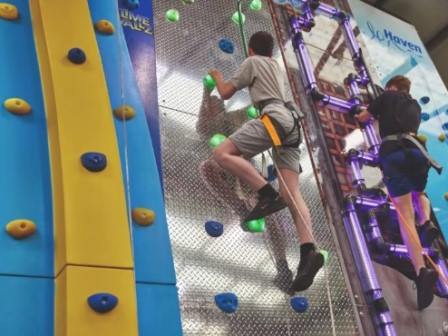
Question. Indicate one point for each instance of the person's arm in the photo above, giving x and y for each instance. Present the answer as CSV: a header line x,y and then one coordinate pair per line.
x,y
242,78
363,116
226,89
372,111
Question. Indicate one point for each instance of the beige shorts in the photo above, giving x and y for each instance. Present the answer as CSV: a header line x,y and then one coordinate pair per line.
x,y
252,139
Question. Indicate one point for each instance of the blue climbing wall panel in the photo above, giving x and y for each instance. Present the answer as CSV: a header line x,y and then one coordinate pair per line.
x,y
26,306
152,252
24,170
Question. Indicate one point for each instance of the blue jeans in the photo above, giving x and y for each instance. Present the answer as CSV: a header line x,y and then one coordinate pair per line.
x,y
404,171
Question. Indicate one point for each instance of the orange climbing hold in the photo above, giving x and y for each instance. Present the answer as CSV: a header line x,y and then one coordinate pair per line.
x,y
446,196
143,216
17,106
105,27
124,112
8,11
21,228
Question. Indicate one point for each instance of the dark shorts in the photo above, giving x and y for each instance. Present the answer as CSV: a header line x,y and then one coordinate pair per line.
x,y
404,171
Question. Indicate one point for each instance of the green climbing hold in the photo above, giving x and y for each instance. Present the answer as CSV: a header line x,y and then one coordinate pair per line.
x,y
187,2
255,5
236,18
209,82
172,15
326,255
256,225
216,140
252,112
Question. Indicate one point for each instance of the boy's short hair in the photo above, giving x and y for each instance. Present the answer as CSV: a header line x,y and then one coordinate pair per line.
x,y
262,43
402,83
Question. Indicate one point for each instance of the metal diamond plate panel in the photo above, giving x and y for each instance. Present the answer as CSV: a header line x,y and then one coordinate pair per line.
x,y
238,261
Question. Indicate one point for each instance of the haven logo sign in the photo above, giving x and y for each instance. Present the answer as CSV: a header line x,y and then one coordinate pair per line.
x,y
393,40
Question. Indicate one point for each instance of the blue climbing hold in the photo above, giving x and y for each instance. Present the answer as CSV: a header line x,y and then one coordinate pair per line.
x,y
227,302
445,126
132,4
77,56
94,162
425,116
299,304
226,46
424,100
214,229
272,174
102,302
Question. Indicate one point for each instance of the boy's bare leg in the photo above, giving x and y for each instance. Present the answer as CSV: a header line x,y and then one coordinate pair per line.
x,y
426,278
297,206
428,231
406,219
229,158
310,259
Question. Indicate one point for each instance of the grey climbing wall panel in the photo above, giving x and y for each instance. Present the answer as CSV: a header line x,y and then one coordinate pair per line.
x,y
237,261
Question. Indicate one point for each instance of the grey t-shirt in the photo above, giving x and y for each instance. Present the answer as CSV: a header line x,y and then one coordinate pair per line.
x,y
266,80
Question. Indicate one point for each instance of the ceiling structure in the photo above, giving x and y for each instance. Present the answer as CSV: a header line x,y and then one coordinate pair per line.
x,y
430,18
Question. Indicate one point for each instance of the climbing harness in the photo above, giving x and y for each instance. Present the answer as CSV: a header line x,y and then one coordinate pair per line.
x,y
399,137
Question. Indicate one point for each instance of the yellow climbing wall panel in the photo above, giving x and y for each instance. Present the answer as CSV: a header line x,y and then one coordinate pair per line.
x,y
91,225
76,318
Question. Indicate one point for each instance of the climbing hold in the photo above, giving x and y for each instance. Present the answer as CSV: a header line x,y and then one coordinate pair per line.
x,y
94,162
172,15
143,216
424,100
445,126
422,138
236,18
226,46
227,302
255,5
8,11
17,106
124,112
214,229
20,228
187,2
425,116
209,82
105,27
446,196
252,112
255,225
272,174
76,55
299,304
216,140
442,137
102,302
132,4
326,255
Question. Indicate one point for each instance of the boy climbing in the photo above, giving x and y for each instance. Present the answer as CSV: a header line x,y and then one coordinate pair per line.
x,y
278,125
405,164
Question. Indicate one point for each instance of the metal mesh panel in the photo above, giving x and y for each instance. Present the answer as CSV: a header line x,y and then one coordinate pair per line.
x,y
238,262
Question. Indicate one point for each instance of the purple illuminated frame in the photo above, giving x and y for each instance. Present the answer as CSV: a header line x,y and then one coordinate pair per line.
x,y
364,201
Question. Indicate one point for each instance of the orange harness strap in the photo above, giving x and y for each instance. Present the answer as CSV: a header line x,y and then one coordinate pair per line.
x,y
271,130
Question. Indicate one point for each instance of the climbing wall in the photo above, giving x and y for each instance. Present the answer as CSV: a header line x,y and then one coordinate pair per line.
x,y
237,261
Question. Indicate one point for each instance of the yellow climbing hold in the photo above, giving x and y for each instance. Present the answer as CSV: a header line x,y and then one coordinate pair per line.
x,y
446,196
105,27
124,112
423,138
21,228
17,106
143,216
442,137
8,11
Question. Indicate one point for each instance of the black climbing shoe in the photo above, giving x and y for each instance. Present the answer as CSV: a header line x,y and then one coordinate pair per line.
x,y
283,281
307,270
428,232
266,206
425,284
